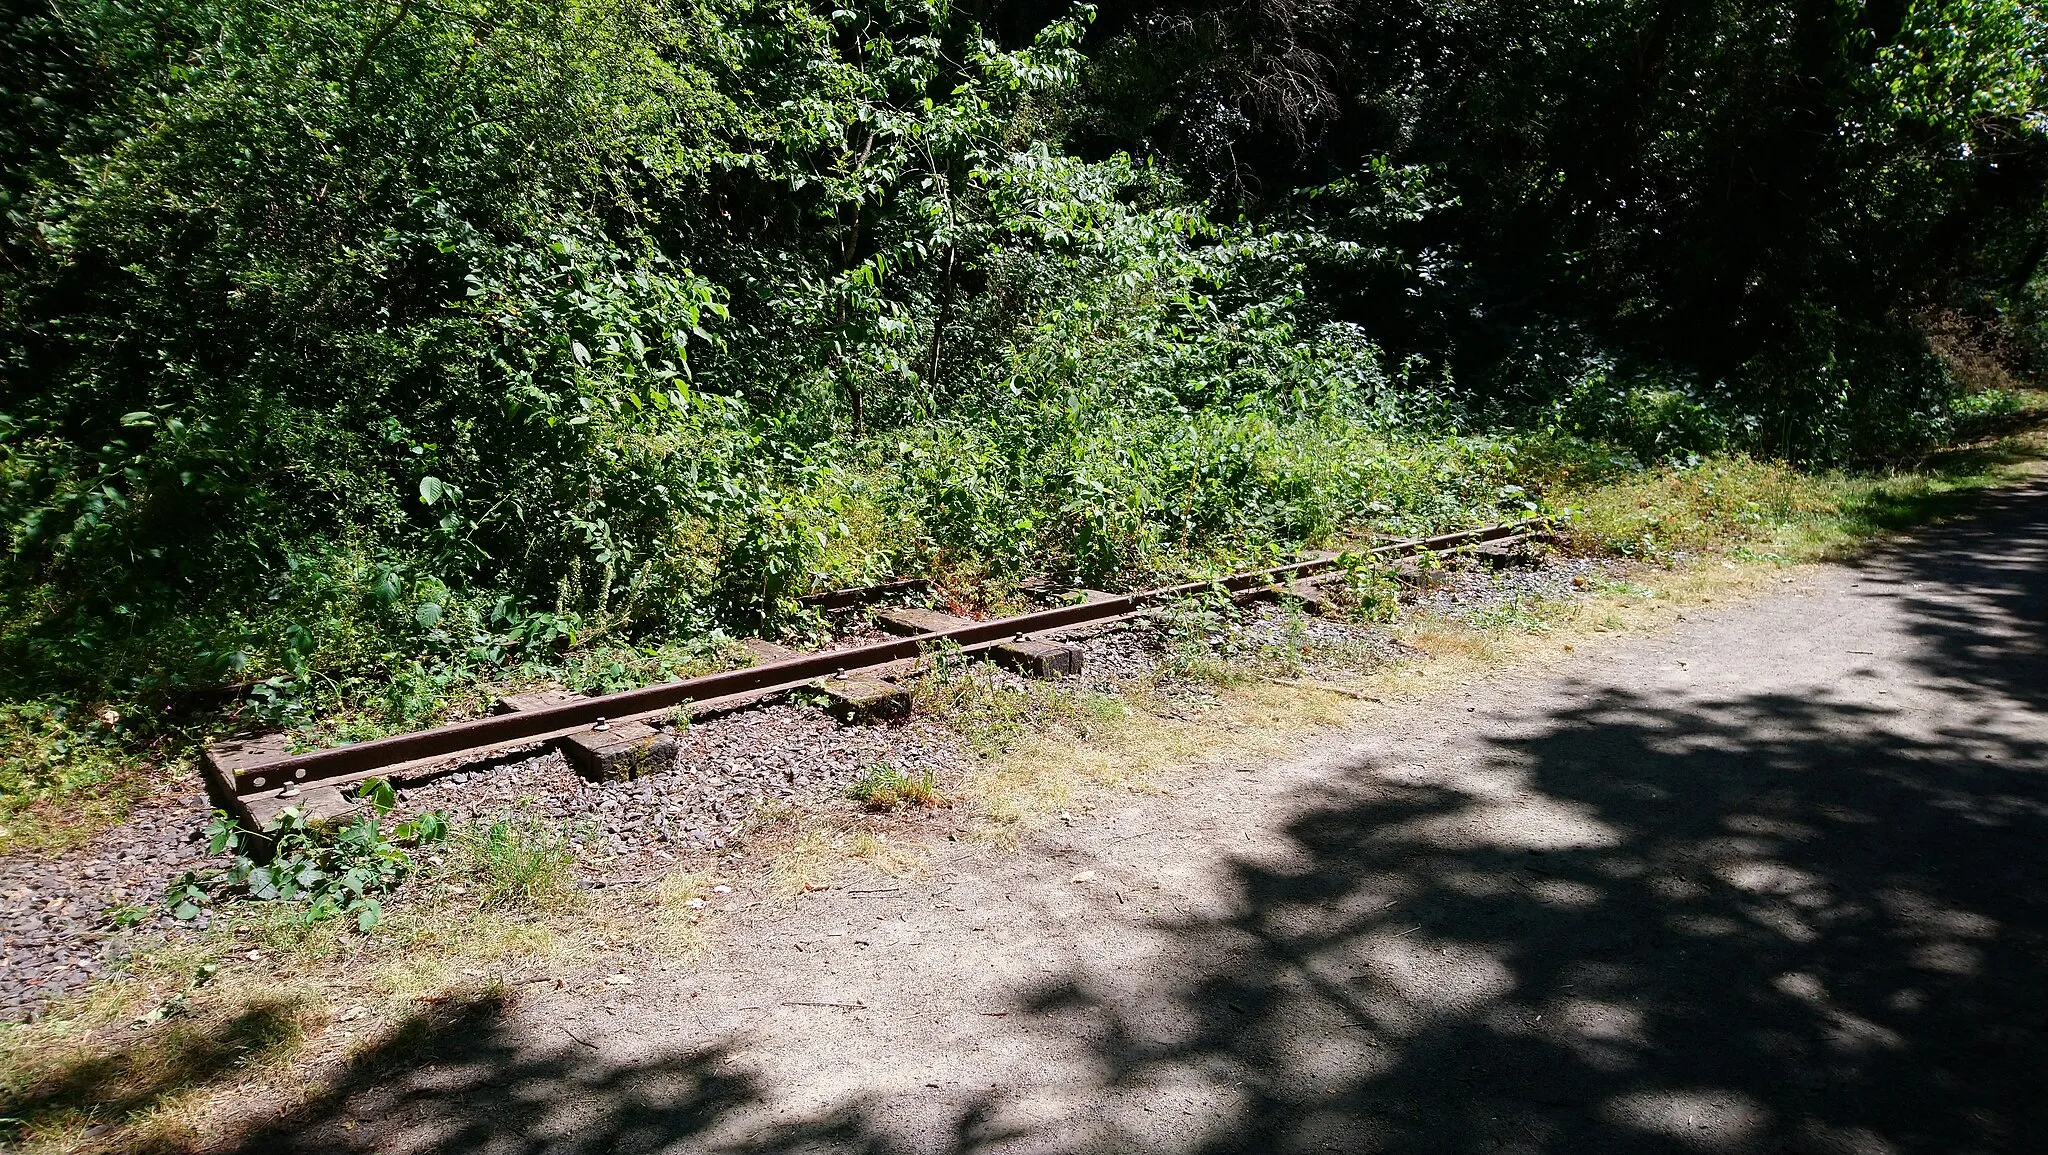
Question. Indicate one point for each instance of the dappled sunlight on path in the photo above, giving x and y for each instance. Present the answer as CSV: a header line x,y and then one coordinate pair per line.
x,y
1783,900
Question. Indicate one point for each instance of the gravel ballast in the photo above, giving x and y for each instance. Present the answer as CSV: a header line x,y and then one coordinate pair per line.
x,y
726,770
70,918
58,915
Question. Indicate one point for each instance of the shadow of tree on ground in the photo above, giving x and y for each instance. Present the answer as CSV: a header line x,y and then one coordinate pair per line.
x,y
461,1079
1763,922
1776,935
113,1085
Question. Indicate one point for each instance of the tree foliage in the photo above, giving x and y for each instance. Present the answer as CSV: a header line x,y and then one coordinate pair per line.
x,y
363,350
1755,202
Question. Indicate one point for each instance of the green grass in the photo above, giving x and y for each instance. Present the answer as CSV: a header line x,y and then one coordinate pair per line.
x,y
66,773
521,862
1739,507
1527,615
884,787
991,712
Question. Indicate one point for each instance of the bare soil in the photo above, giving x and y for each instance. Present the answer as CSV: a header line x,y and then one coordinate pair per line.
x,y
1770,882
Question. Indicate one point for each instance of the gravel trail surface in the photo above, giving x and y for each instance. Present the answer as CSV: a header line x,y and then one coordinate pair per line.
x,y
1772,882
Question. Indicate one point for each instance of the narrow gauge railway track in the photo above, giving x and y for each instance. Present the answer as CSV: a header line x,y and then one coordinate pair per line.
x,y
249,779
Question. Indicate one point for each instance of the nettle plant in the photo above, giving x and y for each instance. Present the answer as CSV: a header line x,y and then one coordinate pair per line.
x,y
334,874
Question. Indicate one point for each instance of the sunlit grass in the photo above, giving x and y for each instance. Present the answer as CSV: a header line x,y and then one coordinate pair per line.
x,y
885,787
991,710
1755,510
518,862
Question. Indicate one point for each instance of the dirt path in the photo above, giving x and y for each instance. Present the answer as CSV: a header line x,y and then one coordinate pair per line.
x,y
1771,882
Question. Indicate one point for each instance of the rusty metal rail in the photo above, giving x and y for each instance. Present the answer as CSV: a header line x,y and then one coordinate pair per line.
x,y
241,775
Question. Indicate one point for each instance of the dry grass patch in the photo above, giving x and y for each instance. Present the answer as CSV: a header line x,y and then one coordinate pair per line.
x,y
1020,788
679,901
825,857
152,1059
888,857
112,1079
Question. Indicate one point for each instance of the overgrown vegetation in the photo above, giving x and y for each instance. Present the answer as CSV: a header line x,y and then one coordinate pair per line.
x,y
1761,510
358,359
324,873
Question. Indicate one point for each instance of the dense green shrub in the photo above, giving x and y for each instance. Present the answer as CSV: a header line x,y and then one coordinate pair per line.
x,y
364,354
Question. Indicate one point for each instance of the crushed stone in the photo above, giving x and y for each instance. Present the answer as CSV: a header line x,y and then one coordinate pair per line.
x,y
726,770
71,918
68,919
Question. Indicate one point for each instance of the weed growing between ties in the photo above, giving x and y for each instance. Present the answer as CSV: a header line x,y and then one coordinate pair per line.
x,y
1368,590
325,874
992,709
1209,642
1197,633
